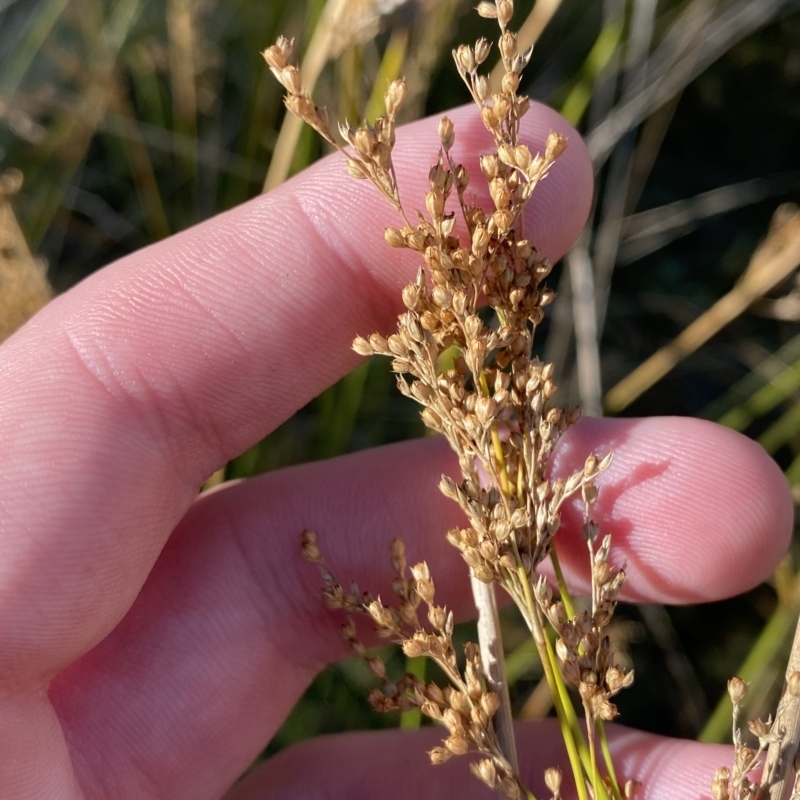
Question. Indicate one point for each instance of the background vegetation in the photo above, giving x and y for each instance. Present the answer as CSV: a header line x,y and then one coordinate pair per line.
x,y
132,119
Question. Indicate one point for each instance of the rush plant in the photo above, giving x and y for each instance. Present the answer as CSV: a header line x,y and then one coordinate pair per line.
x,y
463,351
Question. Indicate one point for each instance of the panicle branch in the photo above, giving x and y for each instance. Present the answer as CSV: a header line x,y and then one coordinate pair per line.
x,y
463,351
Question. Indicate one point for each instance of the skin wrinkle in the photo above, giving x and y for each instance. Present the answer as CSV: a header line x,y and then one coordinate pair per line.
x,y
303,385
129,396
362,284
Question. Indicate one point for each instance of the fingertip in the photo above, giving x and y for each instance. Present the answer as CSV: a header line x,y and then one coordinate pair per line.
x,y
698,512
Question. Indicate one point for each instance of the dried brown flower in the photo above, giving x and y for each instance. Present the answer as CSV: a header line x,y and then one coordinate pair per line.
x,y
478,301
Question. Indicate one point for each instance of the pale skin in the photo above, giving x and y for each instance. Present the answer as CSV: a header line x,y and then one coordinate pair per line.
x,y
152,642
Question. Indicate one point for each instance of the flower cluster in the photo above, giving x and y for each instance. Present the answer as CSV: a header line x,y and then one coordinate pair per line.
x,y
463,351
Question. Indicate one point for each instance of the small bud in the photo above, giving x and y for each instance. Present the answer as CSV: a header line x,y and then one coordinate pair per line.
x,y
508,45
483,88
552,779
394,238
362,346
439,755
377,667
412,648
737,690
395,97
486,771
310,548
446,133
364,142
489,166
719,789
482,48
434,202
355,169
457,745
465,58
556,145
793,684
290,78
397,346
590,466
505,10
480,241
490,703
487,10
759,728
510,82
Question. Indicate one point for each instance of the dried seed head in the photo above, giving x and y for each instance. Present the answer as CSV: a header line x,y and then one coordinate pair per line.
x,y
439,755
508,45
394,237
310,548
457,745
505,10
395,97
490,398
486,771
719,789
555,146
737,690
465,58
759,728
552,779
446,133
483,88
482,49
362,346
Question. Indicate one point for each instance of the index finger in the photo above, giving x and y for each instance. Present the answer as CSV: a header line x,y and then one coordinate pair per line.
x,y
123,395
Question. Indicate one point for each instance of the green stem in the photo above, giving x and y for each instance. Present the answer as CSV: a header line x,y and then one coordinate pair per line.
x,y
412,719
566,597
612,773
564,711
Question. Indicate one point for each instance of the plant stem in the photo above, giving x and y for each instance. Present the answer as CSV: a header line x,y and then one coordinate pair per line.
x,y
612,773
494,666
782,753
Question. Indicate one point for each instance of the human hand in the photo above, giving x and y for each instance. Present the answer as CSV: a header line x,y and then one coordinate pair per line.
x,y
152,641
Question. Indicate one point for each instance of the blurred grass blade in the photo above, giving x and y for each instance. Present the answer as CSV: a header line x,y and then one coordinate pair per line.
x,y
391,65
601,53
766,650
786,427
181,25
780,388
412,719
648,231
42,22
584,312
775,259
69,139
709,42
740,400
337,411
142,172
761,667
617,185
23,285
